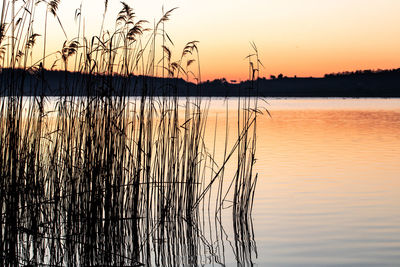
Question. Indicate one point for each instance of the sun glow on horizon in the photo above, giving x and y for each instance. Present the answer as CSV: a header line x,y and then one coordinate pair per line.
x,y
303,38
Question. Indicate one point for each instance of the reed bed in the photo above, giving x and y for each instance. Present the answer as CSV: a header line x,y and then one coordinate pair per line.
x,y
108,180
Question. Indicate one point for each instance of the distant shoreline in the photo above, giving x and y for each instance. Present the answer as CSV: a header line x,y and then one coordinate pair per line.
x,y
367,84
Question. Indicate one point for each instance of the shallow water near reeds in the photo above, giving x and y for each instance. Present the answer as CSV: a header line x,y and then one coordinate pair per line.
x,y
328,192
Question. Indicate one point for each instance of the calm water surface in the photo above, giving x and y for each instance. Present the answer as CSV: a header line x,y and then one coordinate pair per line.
x,y
328,191
329,183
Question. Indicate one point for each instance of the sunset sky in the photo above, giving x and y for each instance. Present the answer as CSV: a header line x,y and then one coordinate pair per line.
x,y
295,37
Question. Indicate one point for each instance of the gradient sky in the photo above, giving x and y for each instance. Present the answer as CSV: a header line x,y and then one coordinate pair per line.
x,y
295,37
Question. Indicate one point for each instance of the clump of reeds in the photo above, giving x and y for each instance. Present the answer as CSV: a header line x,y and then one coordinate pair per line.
x,y
107,179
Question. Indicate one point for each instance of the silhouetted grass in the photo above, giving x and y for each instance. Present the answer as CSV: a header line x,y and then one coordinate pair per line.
x,y
107,179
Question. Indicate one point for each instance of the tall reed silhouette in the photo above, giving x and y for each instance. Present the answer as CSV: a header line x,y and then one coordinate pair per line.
x,y
106,179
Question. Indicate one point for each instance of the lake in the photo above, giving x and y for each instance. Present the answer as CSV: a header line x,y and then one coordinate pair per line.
x,y
109,183
328,192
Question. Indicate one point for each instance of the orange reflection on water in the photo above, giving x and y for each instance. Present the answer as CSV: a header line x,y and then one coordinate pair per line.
x,y
329,182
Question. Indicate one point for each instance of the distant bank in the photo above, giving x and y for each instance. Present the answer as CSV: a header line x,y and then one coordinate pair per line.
x,y
57,83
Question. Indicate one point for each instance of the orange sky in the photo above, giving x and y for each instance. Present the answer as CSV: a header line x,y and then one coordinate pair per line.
x,y
295,37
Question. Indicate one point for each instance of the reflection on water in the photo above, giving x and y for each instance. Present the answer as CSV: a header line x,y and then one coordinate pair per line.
x,y
328,188
328,194
329,183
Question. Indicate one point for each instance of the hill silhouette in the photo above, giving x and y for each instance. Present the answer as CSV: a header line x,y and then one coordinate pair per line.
x,y
366,83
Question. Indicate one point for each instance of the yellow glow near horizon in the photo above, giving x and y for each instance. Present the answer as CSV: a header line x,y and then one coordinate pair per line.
x,y
295,37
